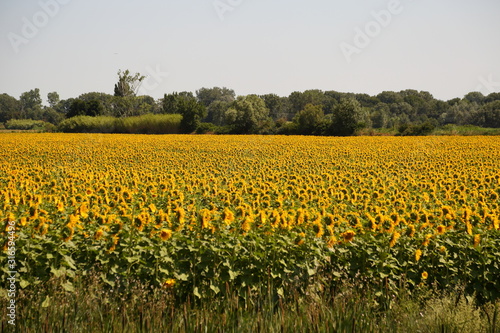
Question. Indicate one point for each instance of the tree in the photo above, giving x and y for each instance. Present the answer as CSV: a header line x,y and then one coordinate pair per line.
x,y
31,100
366,100
216,112
380,116
171,103
53,99
9,108
299,100
64,106
248,114
77,108
346,118
127,84
82,108
192,113
390,97
207,96
276,105
52,116
106,100
308,120
491,114
475,97
492,97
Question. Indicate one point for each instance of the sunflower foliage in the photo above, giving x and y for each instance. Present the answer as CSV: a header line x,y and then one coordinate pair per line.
x,y
210,216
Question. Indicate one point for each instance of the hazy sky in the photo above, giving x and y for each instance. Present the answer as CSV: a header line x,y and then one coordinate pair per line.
x,y
445,47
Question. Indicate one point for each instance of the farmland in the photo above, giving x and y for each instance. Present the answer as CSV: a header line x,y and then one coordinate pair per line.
x,y
208,218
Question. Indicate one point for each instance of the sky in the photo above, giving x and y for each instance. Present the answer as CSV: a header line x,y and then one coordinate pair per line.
x,y
445,47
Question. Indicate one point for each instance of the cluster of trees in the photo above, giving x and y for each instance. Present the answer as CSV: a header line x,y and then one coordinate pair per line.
x,y
312,112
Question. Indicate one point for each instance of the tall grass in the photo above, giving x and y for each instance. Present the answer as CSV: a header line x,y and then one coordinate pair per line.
x,y
145,124
465,130
29,124
137,308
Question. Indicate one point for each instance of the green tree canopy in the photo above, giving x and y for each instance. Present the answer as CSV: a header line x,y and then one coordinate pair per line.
x,y
53,99
346,117
308,120
128,84
9,108
248,114
207,96
31,100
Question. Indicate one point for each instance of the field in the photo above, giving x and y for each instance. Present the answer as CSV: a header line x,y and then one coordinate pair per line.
x,y
214,219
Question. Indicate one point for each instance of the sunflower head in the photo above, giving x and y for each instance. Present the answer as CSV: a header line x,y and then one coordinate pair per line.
x,y
169,283
165,234
348,235
418,254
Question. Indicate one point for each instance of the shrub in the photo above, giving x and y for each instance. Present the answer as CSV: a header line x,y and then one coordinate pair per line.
x,y
145,124
416,130
28,124
206,128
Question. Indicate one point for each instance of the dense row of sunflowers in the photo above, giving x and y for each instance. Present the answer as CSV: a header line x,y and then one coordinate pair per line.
x,y
196,212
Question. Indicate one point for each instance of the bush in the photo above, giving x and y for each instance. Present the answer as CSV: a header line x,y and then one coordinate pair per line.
x,y
150,124
416,130
206,128
29,124
87,124
288,128
145,124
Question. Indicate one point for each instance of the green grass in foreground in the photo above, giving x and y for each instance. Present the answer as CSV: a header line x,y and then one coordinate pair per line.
x,y
135,308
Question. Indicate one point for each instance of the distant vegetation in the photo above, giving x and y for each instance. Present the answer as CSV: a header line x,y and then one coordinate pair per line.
x,y
145,124
219,110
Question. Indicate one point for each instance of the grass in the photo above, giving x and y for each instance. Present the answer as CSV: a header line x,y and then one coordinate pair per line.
x,y
145,124
349,308
466,130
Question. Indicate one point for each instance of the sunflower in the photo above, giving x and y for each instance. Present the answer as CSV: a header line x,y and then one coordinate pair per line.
x,y
425,275
67,232
441,229
299,240
165,234
348,235
98,234
169,283
394,238
228,216
418,254
410,231
477,239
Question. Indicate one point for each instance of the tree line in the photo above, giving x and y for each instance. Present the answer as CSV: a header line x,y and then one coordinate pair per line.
x,y
219,110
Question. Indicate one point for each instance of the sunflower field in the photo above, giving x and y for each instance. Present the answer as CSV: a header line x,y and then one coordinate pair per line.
x,y
196,214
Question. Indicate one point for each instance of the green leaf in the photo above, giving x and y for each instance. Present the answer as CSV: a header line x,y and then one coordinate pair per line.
x,y
181,277
196,293
215,288
68,286
281,292
164,271
105,280
70,262
57,272
46,302
233,275
23,283
133,259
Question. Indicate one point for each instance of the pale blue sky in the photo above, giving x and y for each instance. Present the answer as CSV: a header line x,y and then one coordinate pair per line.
x,y
445,47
